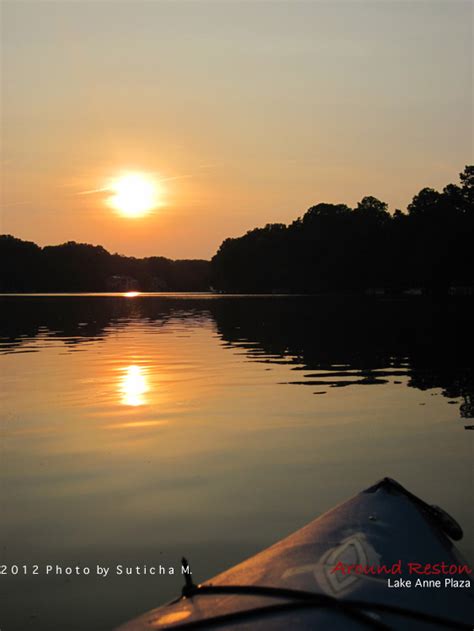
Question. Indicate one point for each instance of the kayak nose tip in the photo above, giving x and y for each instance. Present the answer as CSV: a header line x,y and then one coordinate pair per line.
x,y
443,520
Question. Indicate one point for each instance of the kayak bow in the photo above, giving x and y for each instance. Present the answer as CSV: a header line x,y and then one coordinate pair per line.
x,y
372,562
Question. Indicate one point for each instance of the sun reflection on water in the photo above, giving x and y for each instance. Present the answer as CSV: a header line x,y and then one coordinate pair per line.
x,y
134,386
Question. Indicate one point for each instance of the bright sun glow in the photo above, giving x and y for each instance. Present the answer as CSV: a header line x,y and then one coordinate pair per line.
x,y
134,195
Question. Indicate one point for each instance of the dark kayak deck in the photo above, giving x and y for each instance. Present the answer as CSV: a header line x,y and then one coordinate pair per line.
x,y
343,558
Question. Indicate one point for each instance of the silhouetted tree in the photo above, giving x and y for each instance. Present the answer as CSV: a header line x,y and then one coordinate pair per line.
x,y
331,248
73,267
336,248
19,264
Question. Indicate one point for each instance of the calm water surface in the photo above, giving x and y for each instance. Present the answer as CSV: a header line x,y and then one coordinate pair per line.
x,y
137,430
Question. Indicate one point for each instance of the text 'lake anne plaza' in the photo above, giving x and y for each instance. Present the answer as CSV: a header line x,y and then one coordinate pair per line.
x,y
454,575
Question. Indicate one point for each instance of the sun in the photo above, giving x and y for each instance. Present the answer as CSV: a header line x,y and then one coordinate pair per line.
x,y
134,195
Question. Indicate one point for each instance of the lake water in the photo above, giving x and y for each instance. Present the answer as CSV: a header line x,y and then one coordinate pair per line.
x,y
136,430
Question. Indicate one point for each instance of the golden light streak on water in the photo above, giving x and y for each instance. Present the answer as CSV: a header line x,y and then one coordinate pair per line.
x,y
134,386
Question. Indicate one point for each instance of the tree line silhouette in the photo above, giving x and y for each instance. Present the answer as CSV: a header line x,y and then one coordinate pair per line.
x,y
76,267
337,248
331,248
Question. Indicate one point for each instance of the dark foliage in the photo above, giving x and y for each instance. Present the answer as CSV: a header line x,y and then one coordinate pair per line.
x,y
332,248
73,267
336,248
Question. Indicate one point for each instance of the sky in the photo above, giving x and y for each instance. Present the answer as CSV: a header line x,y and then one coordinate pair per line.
x,y
244,113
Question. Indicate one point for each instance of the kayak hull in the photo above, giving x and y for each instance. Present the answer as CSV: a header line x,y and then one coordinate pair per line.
x,y
365,549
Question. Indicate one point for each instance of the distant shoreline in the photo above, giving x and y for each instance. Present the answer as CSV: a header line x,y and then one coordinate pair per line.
x,y
331,250
214,294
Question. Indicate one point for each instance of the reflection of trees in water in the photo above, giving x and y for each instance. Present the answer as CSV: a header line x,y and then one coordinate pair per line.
x,y
337,342
455,383
75,319
329,342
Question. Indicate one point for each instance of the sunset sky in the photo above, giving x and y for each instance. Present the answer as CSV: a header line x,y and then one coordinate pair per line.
x,y
239,113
